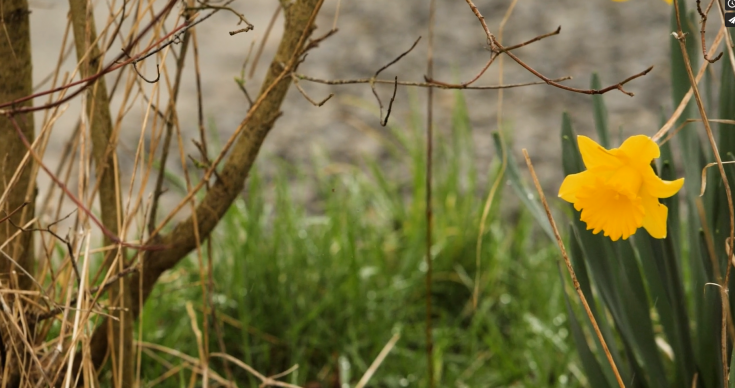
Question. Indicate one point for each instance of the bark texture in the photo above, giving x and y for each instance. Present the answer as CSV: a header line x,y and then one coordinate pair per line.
x,y
15,82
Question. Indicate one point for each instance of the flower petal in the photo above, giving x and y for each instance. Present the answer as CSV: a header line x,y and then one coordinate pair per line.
x,y
573,183
605,209
640,149
596,156
654,219
658,187
626,180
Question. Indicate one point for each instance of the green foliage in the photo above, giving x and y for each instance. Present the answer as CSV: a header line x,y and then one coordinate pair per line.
x,y
662,297
325,285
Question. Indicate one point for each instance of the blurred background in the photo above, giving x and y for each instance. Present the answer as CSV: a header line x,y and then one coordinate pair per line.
x,y
613,39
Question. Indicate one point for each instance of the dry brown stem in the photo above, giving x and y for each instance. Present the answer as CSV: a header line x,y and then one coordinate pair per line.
x,y
724,298
252,131
573,275
99,123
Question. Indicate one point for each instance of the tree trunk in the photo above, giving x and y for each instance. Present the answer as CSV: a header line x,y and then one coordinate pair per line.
x,y
15,82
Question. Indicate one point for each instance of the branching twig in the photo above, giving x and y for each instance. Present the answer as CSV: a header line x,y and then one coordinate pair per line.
x,y
685,100
24,204
422,84
248,25
492,59
488,34
618,86
306,96
66,241
383,121
498,48
114,65
703,15
314,43
58,309
115,239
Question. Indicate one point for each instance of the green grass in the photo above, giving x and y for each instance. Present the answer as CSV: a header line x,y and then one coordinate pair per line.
x,y
326,284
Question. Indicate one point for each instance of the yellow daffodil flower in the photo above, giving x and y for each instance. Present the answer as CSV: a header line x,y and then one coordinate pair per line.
x,y
619,191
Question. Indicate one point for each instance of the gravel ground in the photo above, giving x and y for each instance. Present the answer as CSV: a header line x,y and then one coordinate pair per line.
x,y
613,39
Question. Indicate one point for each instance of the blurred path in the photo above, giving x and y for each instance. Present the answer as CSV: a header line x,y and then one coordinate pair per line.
x,y
613,39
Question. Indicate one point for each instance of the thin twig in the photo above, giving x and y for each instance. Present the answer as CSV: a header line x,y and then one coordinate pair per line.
x,y
262,43
24,204
114,65
429,215
432,84
378,360
491,60
488,34
383,122
684,101
728,39
689,121
266,381
153,81
618,86
170,120
248,25
66,241
498,48
573,275
680,36
315,103
115,239
336,14
314,43
102,287
536,39
703,15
